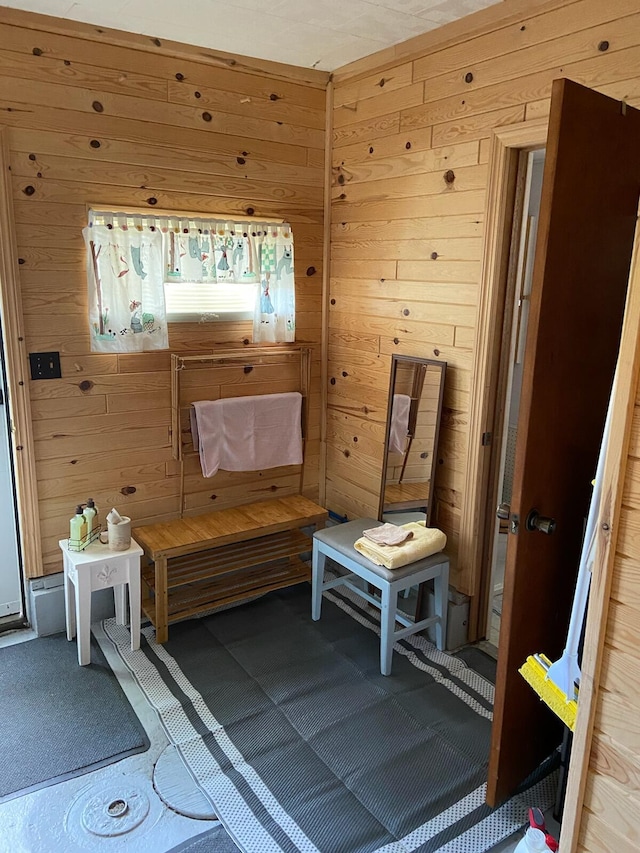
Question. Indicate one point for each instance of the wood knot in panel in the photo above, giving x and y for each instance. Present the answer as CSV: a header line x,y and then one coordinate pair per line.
x,y
468,77
85,385
37,51
449,176
29,190
311,270
97,106
128,490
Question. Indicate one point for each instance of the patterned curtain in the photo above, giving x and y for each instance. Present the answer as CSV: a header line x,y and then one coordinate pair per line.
x,y
125,281
241,253
131,258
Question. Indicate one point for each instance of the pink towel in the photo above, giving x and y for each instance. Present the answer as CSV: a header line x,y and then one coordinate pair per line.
x,y
399,422
388,534
248,433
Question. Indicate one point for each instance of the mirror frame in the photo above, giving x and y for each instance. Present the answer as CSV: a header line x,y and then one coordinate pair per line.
x,y
396,361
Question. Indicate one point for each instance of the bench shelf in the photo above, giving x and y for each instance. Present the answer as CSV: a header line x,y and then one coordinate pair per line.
x,y
198,563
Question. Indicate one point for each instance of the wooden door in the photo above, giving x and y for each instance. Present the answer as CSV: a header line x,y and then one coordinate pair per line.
x,y
585,238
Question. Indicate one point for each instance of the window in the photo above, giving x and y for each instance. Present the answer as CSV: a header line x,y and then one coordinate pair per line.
x,y
145,271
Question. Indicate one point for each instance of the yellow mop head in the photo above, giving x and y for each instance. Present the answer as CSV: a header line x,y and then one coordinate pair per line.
x,y
534,672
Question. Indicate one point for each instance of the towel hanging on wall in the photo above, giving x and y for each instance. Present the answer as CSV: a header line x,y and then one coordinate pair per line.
x,y
248,433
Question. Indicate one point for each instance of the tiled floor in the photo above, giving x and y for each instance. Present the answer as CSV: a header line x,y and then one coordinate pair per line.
x,y
50,820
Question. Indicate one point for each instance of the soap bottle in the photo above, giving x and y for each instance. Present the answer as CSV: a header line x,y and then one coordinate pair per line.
x,y
533,841
77,531
91,517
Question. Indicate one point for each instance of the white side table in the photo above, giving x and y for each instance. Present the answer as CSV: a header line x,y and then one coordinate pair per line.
x,y
98,568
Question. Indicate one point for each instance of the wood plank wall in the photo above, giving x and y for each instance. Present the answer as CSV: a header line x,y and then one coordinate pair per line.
x,y
97,122
612,792
411,141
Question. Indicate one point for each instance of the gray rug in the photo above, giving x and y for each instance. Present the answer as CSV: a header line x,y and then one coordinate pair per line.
x,y
215,840
479,661
301,744
60,719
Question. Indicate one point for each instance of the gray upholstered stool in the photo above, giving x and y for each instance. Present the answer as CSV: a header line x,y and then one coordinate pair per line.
x,y
337,544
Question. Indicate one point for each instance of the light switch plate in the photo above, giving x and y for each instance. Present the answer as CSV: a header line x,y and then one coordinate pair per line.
x,y
45,365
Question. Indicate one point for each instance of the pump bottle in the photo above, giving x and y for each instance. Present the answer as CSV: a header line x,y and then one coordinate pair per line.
x,y
78,531
91,517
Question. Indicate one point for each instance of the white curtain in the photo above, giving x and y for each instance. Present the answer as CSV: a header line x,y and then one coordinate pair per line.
x,y
125,283
258,253
274,318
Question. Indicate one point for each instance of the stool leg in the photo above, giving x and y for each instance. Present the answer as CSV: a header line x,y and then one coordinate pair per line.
x,y
389,605
317,579
69,602
120,599
83,617
441,595
134,602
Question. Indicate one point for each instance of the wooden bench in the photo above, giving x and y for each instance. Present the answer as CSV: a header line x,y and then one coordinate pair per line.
x,y
205,561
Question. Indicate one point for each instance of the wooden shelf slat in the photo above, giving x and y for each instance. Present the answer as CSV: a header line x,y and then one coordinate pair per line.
x,y
192,598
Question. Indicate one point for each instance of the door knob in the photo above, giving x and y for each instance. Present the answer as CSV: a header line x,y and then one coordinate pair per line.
x,y
503,512
535,521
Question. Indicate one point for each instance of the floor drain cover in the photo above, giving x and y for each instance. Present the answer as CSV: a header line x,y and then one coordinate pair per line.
x,y
177,788
115,810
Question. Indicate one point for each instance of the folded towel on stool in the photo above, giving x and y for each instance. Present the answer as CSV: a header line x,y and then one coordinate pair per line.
x,y
424,542
388,534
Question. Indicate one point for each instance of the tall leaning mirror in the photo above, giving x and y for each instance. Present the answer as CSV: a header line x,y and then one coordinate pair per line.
x,y
416,389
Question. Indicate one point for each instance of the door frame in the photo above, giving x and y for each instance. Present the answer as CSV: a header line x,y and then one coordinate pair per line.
x,y
507,143
16,362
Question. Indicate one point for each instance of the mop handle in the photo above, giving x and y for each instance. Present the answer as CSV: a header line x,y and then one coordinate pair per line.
x,y
587,555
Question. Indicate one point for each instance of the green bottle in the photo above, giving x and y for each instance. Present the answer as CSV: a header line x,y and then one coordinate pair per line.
x,y
78,531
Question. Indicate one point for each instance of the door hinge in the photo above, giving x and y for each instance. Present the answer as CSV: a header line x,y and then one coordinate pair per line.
x,y
486,439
